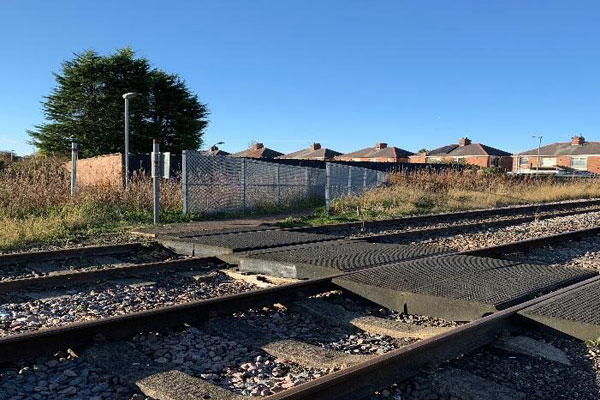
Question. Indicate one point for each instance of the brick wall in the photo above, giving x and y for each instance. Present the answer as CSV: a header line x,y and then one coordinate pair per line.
x,y
418,159
481,161
102,170
593,164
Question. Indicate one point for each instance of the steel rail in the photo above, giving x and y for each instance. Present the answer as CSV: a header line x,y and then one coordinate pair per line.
x,y
64,254
15,347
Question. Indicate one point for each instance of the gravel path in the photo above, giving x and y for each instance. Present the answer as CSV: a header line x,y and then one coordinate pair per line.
x,y
92,301
62,377
153,253
584,253
494,236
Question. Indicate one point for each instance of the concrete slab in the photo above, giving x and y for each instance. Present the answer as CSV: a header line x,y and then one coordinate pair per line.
x,y
576,313
457,287
460,384
176,385
222,244
331,258
301,353
338,315
534,348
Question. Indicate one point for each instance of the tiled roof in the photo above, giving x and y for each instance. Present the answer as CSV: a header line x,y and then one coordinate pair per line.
x,y
258,151
373,152
311,154
472,149
565,149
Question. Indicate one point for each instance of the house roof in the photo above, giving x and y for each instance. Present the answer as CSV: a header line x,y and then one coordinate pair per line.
x,y
258,150
471,149
565,149
314,152
215,151
379,152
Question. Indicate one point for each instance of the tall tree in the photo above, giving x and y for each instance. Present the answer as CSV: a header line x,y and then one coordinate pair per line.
x,y
87,106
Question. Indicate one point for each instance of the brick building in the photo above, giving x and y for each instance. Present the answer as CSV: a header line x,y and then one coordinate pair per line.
x,y
466,152
314,152
258,150
576,155
380,153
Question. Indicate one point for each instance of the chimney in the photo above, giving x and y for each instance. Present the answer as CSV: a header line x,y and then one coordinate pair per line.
x,y
380,146
577,140
464,141
315,146
213,149
258,146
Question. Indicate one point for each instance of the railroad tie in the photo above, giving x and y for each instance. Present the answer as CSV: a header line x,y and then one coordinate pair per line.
x,y
338,315
292,350
176,385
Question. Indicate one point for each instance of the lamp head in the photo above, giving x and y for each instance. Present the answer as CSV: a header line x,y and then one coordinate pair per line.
x,y
129,95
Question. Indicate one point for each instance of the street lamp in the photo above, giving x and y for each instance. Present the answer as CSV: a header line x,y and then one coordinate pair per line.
x,y
127,96
538,156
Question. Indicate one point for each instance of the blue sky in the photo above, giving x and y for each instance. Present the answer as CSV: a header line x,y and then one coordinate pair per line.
x,y
345,73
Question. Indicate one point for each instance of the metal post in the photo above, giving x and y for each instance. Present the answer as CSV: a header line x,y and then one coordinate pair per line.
x,y
350,180
365,179
327,190
156,179
307,180
184,181
73,168
243,184
126,142
278,182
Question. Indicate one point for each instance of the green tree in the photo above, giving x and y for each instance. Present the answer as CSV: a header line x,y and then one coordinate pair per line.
x,y
87,106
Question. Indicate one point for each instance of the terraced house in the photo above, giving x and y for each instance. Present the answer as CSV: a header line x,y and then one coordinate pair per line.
x,y
257,150
314,152
577,155
466,152
380,153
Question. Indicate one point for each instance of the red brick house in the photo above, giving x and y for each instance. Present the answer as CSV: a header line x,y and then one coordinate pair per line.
x,y
466,152
380,153
314,152
576,155
257,150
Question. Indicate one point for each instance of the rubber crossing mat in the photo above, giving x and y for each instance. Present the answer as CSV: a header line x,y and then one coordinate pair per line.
x,y
576,313
227,243
458,287
330,258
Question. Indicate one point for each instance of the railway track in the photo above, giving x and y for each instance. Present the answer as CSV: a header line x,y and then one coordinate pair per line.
x,y
82,334
354,381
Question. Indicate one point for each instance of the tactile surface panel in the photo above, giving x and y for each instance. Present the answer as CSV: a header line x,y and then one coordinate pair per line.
x,y
476,279
349,255
261,239
581,305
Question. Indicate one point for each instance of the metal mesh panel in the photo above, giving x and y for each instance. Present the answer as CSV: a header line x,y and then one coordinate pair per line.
x,y
343,180
215,184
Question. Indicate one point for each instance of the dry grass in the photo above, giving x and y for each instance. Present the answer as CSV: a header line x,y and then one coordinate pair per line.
x,y
36,205
421,192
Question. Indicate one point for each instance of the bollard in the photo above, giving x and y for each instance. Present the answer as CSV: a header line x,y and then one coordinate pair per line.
x,y
73,168
156,179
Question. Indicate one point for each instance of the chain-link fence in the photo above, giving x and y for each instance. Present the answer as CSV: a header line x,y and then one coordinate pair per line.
x,y
343,180
215,184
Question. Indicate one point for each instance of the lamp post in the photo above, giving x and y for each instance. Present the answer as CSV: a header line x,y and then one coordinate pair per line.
x,y
12,155
127,96
539,137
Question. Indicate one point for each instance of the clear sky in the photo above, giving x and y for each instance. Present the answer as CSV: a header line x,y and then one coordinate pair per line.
x,y
344,73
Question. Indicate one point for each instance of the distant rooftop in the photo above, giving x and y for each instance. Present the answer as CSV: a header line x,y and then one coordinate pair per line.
x,y
381,150
466,148
314,152
576,147
258,150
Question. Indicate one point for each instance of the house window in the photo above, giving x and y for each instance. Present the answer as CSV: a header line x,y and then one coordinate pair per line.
x,y
435,160
524,161
548,161
578,162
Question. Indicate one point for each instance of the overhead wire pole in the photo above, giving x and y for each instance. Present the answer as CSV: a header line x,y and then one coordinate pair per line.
x,y
127,96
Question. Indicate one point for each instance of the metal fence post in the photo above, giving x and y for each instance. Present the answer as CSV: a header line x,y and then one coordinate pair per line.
x,y
184,181
365,178
244,184
350,180
156,179
73,168
307,180
327,189
278,182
